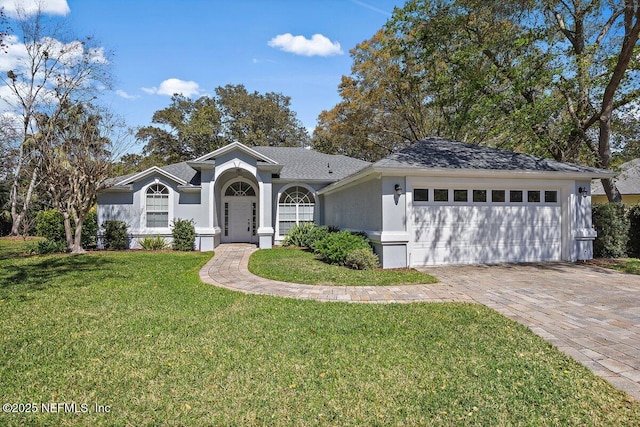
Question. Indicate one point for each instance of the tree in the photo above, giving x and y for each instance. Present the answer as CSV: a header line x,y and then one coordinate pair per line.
x,y
4,30
191,128
255,119
560,73
547,77
383,107
76,158
56,69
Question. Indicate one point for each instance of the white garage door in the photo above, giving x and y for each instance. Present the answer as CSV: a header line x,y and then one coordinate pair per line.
x,y
458,232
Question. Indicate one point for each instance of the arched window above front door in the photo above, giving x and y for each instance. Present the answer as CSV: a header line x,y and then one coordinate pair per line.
x,y
240,189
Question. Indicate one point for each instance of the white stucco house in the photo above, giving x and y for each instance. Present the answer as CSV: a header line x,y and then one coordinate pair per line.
x,y
435,202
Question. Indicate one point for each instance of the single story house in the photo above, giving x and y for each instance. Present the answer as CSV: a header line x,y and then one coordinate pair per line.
x,y
437,201
628,182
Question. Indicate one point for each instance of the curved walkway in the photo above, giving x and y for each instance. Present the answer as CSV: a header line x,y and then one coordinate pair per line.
x,y
229,269
589,313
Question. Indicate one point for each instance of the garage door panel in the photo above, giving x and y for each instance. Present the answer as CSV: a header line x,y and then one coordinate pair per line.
x,y
485,234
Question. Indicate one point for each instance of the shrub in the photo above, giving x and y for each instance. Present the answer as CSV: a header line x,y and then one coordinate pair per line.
x,y
362,259
634,231
184,235
5,223
47,247
334,247
50,225
115,235
155,243
90,229
612,225
305,235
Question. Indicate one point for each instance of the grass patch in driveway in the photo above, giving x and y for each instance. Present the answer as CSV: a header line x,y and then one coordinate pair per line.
x,y
300,266
625,265
139,332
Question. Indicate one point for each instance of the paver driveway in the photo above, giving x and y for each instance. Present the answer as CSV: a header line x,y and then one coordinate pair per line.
x,y
590,313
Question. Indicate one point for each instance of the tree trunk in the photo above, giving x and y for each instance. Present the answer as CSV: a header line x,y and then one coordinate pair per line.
x,y
68,233
18,217
77,238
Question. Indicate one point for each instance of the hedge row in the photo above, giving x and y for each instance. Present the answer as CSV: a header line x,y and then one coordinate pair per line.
x,y
618,228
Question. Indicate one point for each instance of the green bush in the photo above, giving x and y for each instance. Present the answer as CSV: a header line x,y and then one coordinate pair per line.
x,y
305,235
362,259
634,231
334,247
50,225
5,223
90,230
46,247
155,243
184,235
115,235
612,225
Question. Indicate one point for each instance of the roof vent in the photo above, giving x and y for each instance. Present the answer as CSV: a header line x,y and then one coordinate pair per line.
x,y
329,167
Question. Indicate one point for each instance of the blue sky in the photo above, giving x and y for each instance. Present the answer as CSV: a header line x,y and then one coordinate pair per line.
x,y
194,46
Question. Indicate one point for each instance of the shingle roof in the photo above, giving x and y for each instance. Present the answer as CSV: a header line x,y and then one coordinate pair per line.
x,y
297,164
628,181
304,164
180,170
441,153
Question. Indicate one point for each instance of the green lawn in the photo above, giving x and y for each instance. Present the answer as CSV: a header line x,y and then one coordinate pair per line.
x,y
138,331
300,266
625,265
628,265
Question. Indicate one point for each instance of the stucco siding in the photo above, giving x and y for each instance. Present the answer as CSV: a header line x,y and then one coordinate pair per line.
x,y
357,207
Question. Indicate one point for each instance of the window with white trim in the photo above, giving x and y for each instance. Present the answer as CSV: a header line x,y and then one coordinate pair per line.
x,y
296,206
157,206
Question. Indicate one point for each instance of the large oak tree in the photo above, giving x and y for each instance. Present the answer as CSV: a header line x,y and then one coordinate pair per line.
x,y
554,78
189,128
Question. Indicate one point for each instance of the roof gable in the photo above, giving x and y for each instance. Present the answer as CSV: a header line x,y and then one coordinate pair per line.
x,y
232,147
152,170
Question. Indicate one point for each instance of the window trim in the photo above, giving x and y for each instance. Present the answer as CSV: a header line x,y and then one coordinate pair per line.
x,y
281,192
170,213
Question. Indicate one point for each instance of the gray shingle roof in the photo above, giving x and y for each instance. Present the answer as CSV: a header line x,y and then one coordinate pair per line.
x,y
304,164
628,181
441,153
184,171
297,164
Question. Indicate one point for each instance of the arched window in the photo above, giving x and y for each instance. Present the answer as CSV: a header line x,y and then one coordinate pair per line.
x,y
157,206
296,206
240,189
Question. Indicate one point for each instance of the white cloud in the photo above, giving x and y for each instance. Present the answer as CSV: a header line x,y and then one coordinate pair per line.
x,y
50,7
16,54
70,54
318,45
170,87
121,93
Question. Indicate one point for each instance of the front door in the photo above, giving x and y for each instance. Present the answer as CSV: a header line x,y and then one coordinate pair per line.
x,y
239,217
240,208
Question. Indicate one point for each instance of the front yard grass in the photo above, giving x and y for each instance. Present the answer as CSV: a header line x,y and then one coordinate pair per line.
x,y
301,266
625,265
139,333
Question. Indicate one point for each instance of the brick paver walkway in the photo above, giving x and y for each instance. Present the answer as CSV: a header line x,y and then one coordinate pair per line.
x,y
589,313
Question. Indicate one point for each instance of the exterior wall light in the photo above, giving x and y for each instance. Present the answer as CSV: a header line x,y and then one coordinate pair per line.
x,y
583,191
398,190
